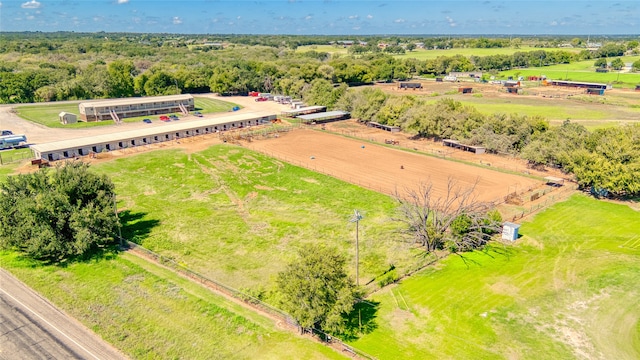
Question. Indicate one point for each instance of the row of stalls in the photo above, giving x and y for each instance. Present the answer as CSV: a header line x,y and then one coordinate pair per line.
x,y
161,132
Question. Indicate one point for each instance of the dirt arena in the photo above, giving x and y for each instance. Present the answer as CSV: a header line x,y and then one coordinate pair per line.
x,y
385,169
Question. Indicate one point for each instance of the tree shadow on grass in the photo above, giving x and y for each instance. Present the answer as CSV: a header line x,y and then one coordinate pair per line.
x,y
492,251
134,227
362,320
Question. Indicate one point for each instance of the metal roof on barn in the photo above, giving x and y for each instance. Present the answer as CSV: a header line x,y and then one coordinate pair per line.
x,y
323,115
136,100
154,130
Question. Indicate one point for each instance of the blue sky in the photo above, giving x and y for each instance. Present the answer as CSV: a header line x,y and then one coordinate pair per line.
x,y
327,17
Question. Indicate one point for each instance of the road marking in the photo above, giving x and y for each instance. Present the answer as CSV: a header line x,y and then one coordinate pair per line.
x,y
48,323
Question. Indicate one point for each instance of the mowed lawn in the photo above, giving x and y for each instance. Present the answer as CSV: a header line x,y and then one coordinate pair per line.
x,y
568,289
150,313
238,217
47,114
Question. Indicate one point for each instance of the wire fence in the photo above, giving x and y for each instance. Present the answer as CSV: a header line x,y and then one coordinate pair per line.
x,y
13,156
249,300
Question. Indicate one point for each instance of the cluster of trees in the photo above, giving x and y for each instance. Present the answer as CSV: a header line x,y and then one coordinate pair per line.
x,y
455,221
55,215
63,66
605,158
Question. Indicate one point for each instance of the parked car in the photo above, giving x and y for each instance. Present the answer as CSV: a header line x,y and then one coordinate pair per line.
x,y
261,98
174,117
7,132
164,118
146,121
197,113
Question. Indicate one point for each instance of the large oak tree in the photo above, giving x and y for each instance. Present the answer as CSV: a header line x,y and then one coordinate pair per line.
x,y
56,214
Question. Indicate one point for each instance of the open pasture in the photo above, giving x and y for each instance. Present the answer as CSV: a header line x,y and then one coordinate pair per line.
x,y
237,216
427,54
551,102
569,288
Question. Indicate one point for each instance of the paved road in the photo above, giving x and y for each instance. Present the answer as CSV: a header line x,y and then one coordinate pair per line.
x,y
37,134
32,328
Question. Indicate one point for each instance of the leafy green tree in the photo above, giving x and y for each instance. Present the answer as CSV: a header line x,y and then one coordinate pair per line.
x,y
617,63
120,80
636,65
316,290
58,214
322,92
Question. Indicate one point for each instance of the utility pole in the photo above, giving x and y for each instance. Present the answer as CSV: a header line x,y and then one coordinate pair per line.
x,y
356,219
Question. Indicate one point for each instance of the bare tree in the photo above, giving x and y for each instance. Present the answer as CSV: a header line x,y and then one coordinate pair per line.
x,y
456,219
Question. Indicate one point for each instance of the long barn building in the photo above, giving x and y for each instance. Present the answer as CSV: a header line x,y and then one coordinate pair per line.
x,y
131,107
60,150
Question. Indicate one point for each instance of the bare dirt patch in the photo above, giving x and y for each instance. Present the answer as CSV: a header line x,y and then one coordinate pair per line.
x,y
382,168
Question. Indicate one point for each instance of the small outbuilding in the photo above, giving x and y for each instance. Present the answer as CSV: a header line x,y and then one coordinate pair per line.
x,y
67,118
510,231
410,85
465,90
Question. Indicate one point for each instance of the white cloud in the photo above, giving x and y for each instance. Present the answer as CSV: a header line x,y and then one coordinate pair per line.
x,y
353,16
177,20
239,17
553,23
356,28
398,21
123,1
451,22
308,17
0,4
33,4
30,17
369,16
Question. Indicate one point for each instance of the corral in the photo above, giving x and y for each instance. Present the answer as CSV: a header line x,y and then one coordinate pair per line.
x,y
384,169
84,146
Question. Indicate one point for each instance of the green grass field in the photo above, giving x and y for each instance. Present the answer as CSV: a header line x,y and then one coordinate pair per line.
x,y
569,288
423,54
47,114
238,216
150,313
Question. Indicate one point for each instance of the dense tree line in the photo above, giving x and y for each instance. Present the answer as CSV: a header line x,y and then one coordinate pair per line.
x,y
606,159
62,66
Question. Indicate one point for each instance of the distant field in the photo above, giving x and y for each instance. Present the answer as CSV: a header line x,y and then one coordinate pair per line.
x,y
47,114
569,288
423,54
238,216
150,313
557,110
